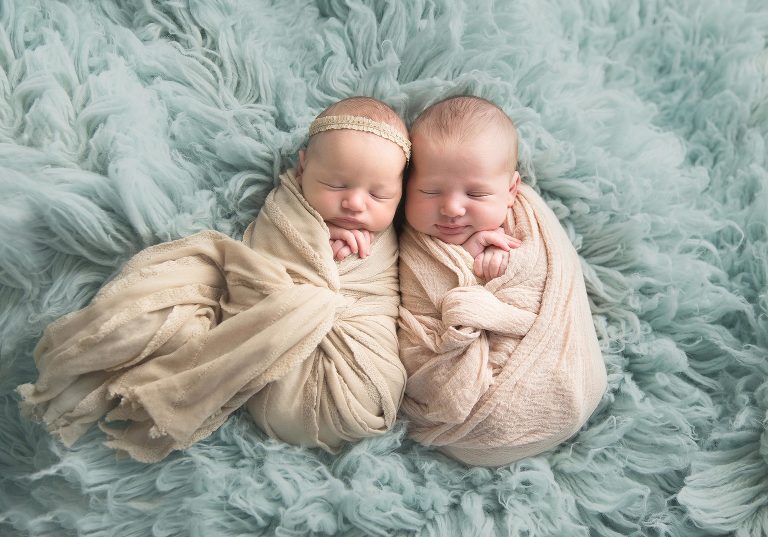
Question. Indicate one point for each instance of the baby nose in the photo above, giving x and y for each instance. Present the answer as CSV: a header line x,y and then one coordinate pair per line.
x,y
354,200
452,207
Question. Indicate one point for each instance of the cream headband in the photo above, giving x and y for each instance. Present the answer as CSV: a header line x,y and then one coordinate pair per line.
x,y
359,123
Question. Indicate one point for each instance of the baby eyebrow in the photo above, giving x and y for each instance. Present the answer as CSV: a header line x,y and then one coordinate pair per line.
x,y
478,184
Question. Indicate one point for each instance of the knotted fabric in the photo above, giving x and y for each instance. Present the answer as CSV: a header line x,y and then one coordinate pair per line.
x,y
192,329
504,369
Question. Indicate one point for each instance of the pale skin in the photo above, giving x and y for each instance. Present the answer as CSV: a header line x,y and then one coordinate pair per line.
x,y
354,181
460,192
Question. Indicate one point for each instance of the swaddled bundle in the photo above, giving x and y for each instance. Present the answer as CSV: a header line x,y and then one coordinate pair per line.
x,y
193,329
501,370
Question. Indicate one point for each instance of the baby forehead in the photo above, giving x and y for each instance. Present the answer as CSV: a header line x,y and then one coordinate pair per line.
x,y
486,138
465,164
351,168
478,154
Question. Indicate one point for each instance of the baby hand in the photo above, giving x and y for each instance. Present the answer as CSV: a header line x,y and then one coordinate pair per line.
x,y
491,263
477,243
345,242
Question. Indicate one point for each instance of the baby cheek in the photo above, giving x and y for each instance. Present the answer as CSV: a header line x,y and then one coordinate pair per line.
x,y
416,203
429,208
418,214
412,204
325,204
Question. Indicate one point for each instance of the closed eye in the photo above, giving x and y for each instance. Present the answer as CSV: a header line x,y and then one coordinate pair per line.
x,y
335,187
381,196
478,194
429,192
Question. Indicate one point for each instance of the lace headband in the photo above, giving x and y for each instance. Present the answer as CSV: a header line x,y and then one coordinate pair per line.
x,y
359,123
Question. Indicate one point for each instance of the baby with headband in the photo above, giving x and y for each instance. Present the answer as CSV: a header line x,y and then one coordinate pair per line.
x,y
287,322
352,171
351,385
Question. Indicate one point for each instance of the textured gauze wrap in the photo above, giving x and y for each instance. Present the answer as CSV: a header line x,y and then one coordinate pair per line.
x,y
193,329
504,369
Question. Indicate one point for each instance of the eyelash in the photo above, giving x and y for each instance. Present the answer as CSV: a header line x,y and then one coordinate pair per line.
x,y
471,194
342,187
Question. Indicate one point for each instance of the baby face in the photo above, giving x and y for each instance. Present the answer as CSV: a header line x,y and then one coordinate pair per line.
x,y
458,188
353,179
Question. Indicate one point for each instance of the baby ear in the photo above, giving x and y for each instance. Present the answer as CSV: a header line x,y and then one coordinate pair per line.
x,y
514,183
302,163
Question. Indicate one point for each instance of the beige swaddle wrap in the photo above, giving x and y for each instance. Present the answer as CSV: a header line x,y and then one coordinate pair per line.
x,y
501,370
193,329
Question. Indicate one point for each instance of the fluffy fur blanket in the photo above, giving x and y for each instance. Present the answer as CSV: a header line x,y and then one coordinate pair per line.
x,y
192,329
506,369
644,126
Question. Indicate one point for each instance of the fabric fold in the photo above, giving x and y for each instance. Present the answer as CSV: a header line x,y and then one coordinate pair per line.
x,y
504,369
193,329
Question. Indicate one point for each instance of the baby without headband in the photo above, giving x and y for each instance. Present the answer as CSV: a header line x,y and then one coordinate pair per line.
x,y
359,123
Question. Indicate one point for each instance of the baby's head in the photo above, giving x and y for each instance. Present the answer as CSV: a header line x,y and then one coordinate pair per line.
x,y
463,175
352,169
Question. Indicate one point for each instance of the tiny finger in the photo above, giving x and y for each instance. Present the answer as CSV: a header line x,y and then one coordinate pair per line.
x,y
368,240
351,240
364,245
501,264
358,235
488,267
497,240
477,266
343,253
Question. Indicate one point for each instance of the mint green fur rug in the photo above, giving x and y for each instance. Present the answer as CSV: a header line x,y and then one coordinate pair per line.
x,y
125,123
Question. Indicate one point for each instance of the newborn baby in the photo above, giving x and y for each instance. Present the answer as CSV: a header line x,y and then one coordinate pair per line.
x,y
464,179
351,174
193,329
495,329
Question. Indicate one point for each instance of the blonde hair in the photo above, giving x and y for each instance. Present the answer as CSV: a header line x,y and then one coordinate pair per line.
x,y
464,116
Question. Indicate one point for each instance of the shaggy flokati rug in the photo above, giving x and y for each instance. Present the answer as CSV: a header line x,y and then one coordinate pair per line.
x,y
125,123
